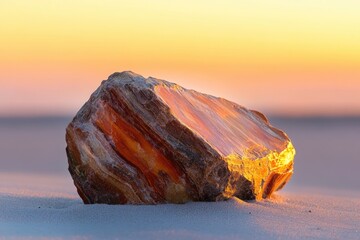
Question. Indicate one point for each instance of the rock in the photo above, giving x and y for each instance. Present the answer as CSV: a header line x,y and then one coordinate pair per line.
x,y
149,141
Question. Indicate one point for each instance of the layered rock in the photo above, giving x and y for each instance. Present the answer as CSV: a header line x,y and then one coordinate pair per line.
x,y
149,141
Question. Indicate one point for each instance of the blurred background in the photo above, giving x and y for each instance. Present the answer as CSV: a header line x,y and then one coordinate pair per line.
x,y
296,61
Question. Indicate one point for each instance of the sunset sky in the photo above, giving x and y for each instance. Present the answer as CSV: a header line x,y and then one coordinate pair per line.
x,y
280,57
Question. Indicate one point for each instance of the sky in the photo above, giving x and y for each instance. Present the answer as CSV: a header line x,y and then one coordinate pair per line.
x,y
280,57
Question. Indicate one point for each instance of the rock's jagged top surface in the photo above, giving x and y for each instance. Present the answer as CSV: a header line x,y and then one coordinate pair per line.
x,y
147,141
226,126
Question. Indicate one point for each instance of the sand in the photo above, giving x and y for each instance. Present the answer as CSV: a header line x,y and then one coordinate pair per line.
x,y
47,207
322,201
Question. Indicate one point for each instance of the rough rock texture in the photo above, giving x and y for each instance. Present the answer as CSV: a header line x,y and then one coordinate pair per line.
x,y
148,141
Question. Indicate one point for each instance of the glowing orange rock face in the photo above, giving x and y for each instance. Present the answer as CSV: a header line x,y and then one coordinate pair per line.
x,y
148,141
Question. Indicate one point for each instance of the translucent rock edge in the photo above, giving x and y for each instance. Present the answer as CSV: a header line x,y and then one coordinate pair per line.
x,y
149,141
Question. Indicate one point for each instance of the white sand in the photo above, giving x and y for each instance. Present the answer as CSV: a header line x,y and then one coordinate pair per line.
x,y
33,207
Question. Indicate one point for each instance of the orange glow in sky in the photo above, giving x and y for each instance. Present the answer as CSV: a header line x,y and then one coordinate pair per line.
x,y
282,57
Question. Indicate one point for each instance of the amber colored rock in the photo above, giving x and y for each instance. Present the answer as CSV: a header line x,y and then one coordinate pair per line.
x,y
149,141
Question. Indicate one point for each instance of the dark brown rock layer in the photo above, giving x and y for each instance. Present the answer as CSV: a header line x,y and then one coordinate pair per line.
x,y
148,141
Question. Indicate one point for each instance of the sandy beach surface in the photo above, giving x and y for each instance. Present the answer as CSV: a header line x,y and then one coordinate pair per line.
x,y
38,199
47,207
